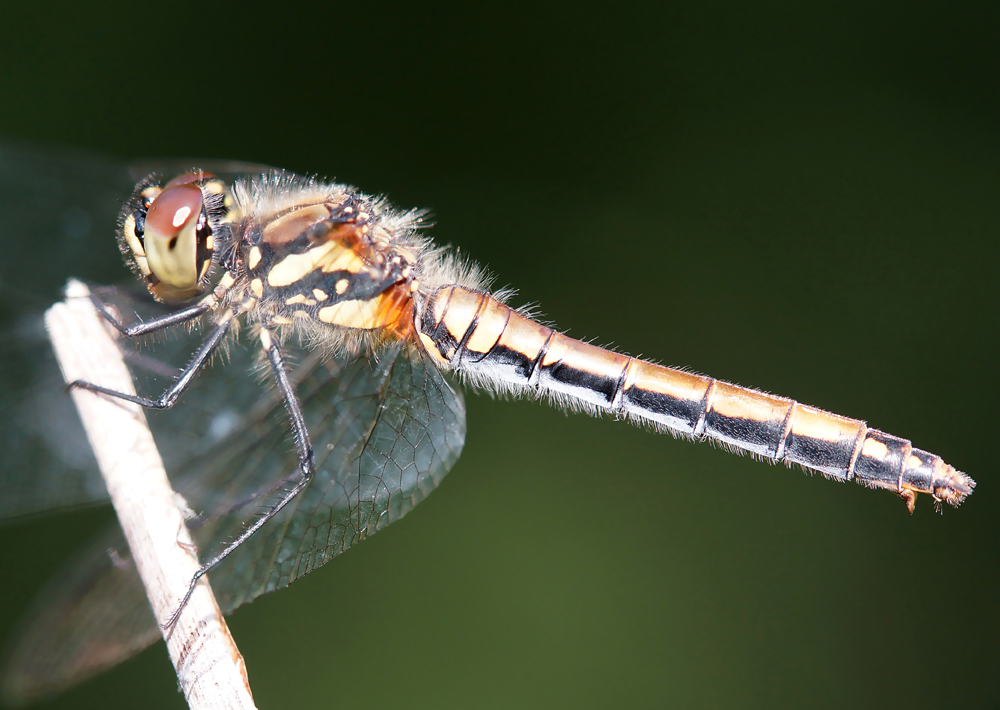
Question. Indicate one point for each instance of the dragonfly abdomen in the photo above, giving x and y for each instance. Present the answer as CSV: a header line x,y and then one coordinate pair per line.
x,y
494,345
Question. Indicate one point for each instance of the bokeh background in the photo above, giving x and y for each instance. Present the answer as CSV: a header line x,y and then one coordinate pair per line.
x,y
800,197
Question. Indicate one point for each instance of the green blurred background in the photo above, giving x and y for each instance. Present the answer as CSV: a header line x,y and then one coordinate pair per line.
x,y
800,197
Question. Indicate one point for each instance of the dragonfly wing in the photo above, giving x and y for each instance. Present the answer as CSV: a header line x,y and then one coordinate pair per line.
x,y
46,461
59,213
385,431
90,616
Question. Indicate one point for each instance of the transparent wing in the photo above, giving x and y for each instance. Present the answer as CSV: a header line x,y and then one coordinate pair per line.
x,y
385,431
90,616
60,212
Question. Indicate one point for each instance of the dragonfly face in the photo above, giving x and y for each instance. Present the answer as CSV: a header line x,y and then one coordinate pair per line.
x,y
374,314
168,235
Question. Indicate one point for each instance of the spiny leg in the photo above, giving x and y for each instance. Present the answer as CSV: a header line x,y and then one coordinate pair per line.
x,y
171,319
183,381
264,492
307,467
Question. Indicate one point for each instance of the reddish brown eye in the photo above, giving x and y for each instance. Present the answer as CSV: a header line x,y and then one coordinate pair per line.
x,y
196,176
174,208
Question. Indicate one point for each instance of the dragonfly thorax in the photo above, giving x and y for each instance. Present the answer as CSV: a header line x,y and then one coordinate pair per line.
x,y
330,262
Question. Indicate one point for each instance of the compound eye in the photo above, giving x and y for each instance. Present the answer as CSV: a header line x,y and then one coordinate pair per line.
x,y
171,239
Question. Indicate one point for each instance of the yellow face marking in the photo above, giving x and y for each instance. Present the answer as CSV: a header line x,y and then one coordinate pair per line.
x,y
299,298
813,423
352,314
341,286
151,193
128,231
254,257
257,287
320,295
294,266
875,449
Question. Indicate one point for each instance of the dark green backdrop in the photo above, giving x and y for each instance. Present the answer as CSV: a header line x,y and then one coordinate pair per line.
x,y
800,197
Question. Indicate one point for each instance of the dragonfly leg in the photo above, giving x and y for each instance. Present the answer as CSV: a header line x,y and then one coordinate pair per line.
x,y
183,381
132,331
264,491
307,468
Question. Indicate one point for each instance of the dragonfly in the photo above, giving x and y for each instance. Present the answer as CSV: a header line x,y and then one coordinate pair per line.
x,y
364,327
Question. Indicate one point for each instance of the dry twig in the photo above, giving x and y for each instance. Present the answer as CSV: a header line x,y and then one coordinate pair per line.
x,y
210,669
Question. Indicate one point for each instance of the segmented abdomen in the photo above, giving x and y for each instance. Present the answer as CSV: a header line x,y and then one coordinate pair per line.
x,y
495,345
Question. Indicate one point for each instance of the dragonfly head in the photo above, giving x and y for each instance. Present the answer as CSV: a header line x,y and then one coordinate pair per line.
x,y
168,235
